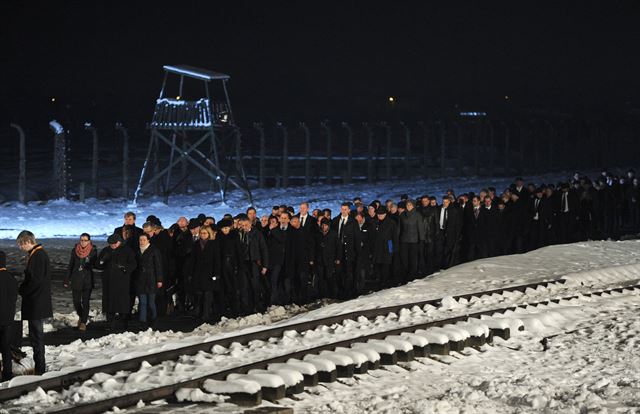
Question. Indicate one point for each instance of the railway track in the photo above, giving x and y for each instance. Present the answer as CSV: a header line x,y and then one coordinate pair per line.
x,y
376,331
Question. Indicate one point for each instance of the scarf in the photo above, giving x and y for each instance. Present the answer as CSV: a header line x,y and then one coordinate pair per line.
x,y
83,252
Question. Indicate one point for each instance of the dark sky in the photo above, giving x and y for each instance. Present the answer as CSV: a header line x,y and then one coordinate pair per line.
x,y
338,60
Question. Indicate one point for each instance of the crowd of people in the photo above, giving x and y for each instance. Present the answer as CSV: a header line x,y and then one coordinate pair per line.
x,y
245,263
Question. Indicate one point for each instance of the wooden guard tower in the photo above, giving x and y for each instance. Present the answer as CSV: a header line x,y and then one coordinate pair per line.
x,y
206,128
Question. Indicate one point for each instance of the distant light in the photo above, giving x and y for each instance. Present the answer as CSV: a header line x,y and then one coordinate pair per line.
x,y
506,97
391,99
178,97
53,99
473,114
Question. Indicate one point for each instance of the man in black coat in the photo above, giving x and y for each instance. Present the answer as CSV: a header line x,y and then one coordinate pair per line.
x,y
448,234
161,239
256,262
328,257
36,294
475,231
117,263
8,297
385,244
345,227
305,260
411,235
537,223
282,259
364,264
568,215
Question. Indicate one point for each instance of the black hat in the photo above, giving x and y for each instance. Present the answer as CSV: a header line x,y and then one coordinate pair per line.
x,y
202,217
194,223
225,223
3,259
539,190
402,204
381,210
325,221
115,238
241,216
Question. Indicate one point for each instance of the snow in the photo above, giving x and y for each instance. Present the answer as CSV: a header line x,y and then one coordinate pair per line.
x,y
55,125
291,377
231,386
590,266
321,364
68,219
268,380
590,365
302,367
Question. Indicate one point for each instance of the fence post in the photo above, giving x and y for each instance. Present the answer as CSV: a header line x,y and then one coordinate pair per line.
x,y
263,149
22,166
387,128
94,158
125,159
551,137
370,171
491,148
407,149
506,146
425,149
523,133
476,147
349,152
325,125
459,136
307,153
443,133
59,160
285,155
81,192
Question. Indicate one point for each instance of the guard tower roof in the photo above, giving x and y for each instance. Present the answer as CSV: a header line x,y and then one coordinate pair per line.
x,y
196,73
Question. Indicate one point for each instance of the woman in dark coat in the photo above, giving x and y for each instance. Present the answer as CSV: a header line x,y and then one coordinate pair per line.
x,y
8,297
80,277
206,275
231,254
148,278
117,263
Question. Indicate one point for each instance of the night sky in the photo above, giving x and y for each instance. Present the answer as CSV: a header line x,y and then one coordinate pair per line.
x,y
102,61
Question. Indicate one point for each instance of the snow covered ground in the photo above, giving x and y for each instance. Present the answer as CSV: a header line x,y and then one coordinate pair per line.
x,y
586,266
61,218
588,364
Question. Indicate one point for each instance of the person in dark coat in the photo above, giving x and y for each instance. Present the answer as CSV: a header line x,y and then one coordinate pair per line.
x,y
448,234
148,278
305,241
568,214
231,264
282,259
385,244
491,230
256,263
207,275
80,277
117,263
36,294
411,234
475,229
345,227
160,238
364,263
8,297
328,256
